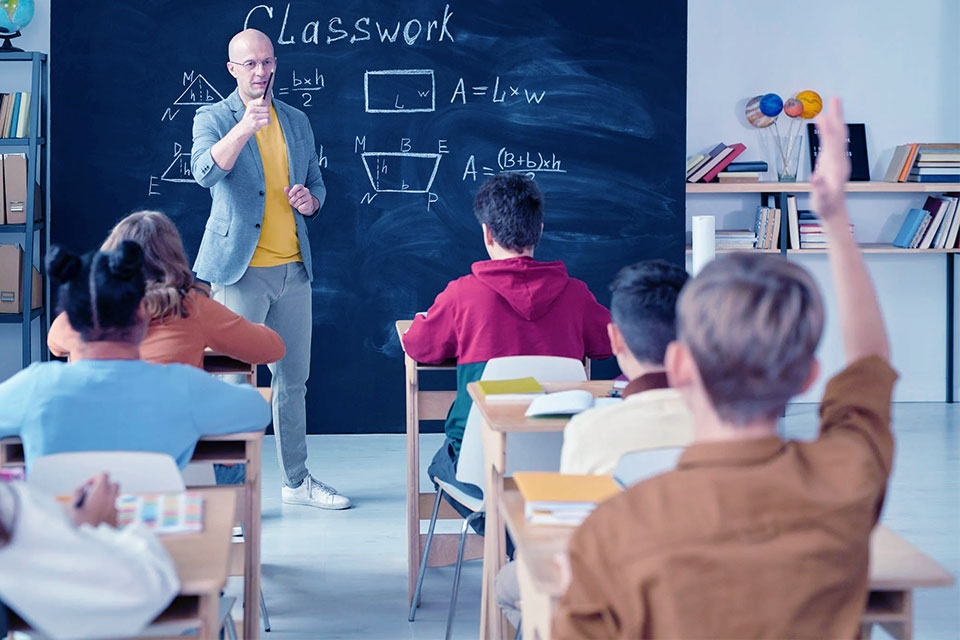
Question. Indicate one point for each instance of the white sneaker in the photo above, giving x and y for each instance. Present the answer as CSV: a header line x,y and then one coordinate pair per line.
x,y
314,493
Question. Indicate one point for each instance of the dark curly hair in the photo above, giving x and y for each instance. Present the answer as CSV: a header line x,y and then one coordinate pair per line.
x,y
643,305
511,206
100,291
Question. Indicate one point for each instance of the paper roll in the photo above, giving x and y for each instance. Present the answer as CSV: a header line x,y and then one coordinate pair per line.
x,y
704,241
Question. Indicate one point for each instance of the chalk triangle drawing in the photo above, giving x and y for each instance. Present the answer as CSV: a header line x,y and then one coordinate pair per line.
x,y
179,169
199,92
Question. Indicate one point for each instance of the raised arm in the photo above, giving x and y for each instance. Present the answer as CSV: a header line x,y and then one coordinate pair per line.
x,y
861,322
214,153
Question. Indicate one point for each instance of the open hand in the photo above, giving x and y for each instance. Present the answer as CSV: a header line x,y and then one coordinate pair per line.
x,y
300,199
99,503
833,165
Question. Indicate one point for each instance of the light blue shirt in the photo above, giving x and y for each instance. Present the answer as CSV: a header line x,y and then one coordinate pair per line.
x,y
123,405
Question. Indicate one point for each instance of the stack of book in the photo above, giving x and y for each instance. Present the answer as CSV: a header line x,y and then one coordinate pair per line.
x,y
935,226
736,240
706,166
811,233
14,114
566,499
742,172
767,226
925,162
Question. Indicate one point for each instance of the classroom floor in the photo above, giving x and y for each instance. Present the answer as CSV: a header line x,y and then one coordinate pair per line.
x,y
343,574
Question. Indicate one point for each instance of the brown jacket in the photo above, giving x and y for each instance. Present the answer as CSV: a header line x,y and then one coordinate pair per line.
x,y
745,539
183,340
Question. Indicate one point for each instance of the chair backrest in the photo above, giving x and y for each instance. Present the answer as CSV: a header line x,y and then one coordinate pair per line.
x,y
635,466
525,451
134,471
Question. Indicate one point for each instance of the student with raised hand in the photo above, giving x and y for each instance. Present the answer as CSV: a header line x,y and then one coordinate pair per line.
x,y
184,320
107,398
752,535
71,574
509,305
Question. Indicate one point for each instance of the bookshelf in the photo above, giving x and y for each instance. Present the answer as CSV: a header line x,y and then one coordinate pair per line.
x,y
35,148
780,190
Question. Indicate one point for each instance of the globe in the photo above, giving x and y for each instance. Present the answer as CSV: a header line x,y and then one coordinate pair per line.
x,y
14,16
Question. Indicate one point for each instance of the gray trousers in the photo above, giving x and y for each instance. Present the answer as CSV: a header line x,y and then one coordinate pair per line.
x,y
281,298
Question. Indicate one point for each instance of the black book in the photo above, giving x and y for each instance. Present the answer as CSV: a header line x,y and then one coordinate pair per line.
x,y
856,149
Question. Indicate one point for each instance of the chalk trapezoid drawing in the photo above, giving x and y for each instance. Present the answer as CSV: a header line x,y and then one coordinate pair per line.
x,y
382,160
399,91
198,92
179,169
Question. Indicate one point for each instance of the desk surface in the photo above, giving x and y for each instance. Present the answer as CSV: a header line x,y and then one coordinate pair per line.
x,y
508,416
895,564
202,558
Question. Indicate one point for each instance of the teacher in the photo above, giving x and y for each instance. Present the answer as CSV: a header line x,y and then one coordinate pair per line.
x,y
258,157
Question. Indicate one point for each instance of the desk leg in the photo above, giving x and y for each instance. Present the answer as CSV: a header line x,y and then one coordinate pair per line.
x,y
902,630
413,477
209,616
251,534
492,623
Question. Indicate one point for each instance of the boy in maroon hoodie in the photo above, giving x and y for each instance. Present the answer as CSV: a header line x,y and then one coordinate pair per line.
x,y
510,305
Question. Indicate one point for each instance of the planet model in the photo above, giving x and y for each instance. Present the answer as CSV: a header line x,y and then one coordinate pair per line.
x,y
755,116
771,105
812,103
793,108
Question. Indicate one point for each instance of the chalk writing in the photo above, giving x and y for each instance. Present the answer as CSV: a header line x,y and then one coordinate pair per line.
x,y
498,92
399,91
526,162
303,85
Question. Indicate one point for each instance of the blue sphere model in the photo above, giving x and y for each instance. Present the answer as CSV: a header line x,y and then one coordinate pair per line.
x,y
771,105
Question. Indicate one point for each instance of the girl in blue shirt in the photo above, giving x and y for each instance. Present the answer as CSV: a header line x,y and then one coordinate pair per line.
x,y
107,398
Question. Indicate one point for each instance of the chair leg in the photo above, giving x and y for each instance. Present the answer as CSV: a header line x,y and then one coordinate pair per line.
x,y
415,600
456,575
231,628
263,612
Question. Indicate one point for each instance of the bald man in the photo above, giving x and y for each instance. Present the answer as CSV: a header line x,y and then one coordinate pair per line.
x,y
258,157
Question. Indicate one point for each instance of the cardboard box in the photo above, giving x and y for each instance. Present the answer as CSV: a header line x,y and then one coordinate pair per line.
x,y
11,278
15,190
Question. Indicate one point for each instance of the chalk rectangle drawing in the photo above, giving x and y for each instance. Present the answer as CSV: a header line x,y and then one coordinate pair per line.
x,y
399,91
401,172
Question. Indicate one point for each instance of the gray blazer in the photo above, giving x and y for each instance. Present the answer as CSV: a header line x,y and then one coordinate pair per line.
x,y
233,227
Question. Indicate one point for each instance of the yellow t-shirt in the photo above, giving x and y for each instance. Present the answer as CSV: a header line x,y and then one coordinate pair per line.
x,y
278,242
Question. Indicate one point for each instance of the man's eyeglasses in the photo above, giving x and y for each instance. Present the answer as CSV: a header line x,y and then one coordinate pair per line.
x,y
250,65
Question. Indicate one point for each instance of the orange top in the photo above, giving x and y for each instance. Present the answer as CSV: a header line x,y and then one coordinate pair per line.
x,y
182,340
761,538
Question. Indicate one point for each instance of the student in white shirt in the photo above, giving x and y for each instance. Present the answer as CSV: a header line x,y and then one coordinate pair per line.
x,y
643,307
652,415
70,574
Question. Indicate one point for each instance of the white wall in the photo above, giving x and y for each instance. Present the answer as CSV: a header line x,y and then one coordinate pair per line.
x,y
16,77
896,66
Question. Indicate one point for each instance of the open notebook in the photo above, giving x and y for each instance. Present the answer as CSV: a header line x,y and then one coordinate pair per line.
x,y
162,513
566,403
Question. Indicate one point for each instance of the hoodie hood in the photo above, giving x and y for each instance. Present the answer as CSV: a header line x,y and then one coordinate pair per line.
x,y
529,287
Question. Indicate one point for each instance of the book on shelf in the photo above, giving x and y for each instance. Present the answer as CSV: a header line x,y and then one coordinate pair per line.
x,y
14,114
748,166
856,149
728,177
920,162
717,163
767,226
793,221
952,241
938,209
709,155
897,163
934,179
736,240
940,239
910,227
512,390
565,499
693,161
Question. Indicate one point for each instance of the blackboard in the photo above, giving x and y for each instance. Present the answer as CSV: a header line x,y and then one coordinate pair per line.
x,y
587,97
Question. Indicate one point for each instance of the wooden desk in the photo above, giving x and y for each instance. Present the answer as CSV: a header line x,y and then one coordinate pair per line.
x,y
201,560
896,569
221,364
426,405
232,448
498,420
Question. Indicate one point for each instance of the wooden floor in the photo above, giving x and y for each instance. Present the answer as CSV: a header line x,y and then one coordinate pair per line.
x,y
342,574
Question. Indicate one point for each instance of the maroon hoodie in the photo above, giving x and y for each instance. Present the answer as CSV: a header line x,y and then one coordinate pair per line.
x,y
511,307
